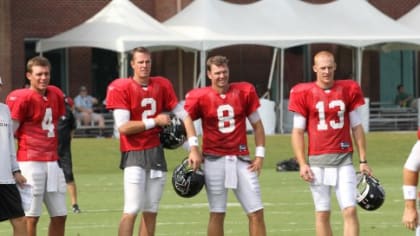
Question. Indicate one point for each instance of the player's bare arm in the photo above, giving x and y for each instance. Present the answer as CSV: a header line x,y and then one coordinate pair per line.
x,y
259,135
137,126
298,144
359,138
410,215
194,157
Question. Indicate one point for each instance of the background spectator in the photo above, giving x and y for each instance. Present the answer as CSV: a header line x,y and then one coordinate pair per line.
x,y
84,104
66,127
404,99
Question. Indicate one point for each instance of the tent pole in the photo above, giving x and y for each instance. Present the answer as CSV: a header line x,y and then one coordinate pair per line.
x,y
415,72
203,55
270,77
123,65
195,70
180,60
359,65
180,74
281,89
120,64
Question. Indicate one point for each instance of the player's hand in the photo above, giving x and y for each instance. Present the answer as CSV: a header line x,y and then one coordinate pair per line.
x,y
19,178
306,173
410,218
162,119
364,168
194,158
256,165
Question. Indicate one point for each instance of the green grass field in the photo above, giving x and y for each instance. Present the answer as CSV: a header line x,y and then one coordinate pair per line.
x,y
288,204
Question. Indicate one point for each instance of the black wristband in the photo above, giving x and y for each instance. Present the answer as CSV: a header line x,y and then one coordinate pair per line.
x,y
363,162
16,171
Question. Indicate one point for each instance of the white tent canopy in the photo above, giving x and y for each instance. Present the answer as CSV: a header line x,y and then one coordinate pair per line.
x,y
119,26
205,25
217,24
350,22
411,19
284,24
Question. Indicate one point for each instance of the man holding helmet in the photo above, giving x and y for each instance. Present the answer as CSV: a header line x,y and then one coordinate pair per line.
x,y
140,105
327,110
224,108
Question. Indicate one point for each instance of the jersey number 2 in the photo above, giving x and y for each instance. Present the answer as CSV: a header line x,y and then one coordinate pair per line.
x,y
151,103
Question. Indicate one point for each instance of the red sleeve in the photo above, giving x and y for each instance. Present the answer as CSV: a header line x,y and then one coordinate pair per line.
x,y
18,105
116,96
357,98
191,104
61,106
297,100
253,100
418,134
170,96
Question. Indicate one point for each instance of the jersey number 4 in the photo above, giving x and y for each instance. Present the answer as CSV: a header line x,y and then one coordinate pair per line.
x,y
47,123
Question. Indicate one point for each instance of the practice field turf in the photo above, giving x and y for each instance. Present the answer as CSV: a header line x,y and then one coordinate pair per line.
x,y
288,204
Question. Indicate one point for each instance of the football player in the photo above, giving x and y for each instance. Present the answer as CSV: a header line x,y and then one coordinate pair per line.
x,y
327,110
35,112
139,105
223,108
410,180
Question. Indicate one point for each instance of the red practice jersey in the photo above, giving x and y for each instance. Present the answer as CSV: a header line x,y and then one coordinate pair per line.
x,y
38,116
142,103
418,133
327,114
223,117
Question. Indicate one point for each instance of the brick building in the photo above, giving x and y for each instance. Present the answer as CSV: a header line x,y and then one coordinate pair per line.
x,y
23,22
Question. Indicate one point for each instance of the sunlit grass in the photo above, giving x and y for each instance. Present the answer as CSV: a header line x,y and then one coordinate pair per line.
x,y
288,204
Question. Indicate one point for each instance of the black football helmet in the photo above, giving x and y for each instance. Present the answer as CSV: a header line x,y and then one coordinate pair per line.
x,y
370,193
186,182
173,135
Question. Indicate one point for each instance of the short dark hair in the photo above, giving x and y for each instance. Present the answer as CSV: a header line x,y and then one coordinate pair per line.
x,y
140,50
217,61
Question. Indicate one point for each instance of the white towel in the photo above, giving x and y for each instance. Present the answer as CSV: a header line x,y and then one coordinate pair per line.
x,y
231,177
155,174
